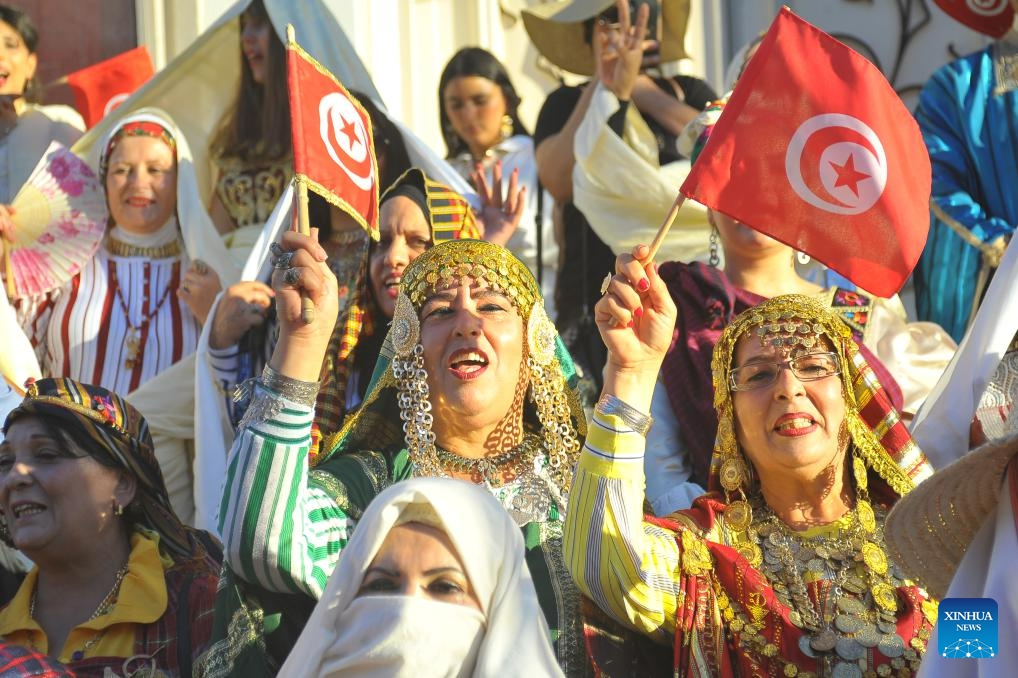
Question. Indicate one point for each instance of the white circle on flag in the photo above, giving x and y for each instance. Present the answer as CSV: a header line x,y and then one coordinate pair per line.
x,y
850,172
115,101
987,7
345,138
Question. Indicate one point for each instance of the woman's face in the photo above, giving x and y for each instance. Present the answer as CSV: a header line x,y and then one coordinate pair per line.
x,y
141,184
54,497
17,65
419,560
740,241
404,234
472,337
475,107
255,33
790,427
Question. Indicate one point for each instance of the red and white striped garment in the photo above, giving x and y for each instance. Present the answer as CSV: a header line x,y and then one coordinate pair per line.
x,y
81,330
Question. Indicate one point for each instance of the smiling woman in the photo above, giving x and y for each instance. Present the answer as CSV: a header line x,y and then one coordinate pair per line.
x,y
472,383
781,569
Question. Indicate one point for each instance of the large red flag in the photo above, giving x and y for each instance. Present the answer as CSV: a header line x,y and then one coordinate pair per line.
x,y
815,149
333,150
101,87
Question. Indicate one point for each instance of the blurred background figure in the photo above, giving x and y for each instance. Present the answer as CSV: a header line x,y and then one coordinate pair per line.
x,y
967,116
479,113
26,126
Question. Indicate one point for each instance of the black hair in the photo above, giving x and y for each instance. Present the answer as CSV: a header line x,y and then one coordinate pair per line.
x,y
389,144
23,26
474,61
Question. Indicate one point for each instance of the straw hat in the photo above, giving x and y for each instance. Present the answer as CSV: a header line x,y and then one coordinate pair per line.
x,y
557,31
929,529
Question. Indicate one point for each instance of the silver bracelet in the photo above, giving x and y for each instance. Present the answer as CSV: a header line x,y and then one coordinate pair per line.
x,y
303,392
636,420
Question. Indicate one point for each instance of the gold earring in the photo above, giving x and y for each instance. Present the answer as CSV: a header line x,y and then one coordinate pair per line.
x,y
118,508
507,126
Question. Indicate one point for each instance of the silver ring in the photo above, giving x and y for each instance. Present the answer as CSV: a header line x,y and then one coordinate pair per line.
x,y
291,276
283,260
604,283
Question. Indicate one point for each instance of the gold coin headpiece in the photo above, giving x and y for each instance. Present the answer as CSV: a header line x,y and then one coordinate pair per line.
x,y
448,262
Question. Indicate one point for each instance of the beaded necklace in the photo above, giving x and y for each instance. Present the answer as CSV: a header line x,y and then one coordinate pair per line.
x,y
134,332
105,607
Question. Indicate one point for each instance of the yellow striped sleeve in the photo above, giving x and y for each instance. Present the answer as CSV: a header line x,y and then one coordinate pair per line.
x,y
630,568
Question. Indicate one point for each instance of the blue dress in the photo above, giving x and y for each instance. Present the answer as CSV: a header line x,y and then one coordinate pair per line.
x,y
970,127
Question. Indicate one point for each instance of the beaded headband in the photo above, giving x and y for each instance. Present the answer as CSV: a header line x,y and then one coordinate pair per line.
x,y
135,128
452,260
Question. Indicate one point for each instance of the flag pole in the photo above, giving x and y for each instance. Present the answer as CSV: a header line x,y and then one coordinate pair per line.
x,y
307,307
662,232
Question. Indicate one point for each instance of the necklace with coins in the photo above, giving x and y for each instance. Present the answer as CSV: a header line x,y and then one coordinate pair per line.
x,y
855,607
509,464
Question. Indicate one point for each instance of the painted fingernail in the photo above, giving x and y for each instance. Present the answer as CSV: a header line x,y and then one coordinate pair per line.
x,y
643,285
629,324
638,313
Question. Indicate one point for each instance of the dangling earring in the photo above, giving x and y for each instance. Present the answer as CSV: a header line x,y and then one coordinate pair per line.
x,y
507,126
802,258
714,259
118,508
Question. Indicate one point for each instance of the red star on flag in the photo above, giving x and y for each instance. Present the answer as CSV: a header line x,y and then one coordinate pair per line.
x,y
848,175
349,130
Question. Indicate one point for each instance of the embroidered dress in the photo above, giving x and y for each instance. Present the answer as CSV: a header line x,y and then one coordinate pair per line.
x,y
119,322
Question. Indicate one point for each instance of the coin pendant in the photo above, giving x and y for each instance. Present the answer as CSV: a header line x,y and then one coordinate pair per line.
x,y
868,636
847,671
847,623
805,646
891,645
851,605
848,648
825,641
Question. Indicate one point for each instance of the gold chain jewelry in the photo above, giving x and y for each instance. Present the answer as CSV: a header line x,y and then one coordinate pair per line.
x,y
119,248
494,469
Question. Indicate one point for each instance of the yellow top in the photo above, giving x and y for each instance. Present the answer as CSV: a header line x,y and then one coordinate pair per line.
x,y
142,600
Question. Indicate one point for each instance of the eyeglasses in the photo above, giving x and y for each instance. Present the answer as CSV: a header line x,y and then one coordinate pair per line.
x,y
808,367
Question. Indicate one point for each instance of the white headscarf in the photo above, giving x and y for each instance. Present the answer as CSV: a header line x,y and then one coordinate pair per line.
x,y
353,636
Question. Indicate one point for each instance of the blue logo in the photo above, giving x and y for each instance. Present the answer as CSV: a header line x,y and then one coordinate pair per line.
x,y
967,628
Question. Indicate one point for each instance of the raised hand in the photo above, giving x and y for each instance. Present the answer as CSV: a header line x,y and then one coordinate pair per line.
x,y
300,267
618,50
499,218
636,318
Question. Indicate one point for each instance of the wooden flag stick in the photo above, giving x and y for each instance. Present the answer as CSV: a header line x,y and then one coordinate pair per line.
x,y
662,232
307,307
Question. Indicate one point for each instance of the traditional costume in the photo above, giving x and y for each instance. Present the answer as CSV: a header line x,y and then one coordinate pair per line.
x,y
353,350
730,587
351,633
967,113
161,616
119,322
290,545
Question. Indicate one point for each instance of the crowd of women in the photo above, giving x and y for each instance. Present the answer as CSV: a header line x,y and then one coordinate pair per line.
x,y
477,458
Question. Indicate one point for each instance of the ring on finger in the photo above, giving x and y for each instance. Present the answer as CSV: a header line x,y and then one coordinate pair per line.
x,y
276,249
283,260
200,267
186,289
291,276
604,284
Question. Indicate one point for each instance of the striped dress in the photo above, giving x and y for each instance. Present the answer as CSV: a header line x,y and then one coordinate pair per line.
x,y
85,330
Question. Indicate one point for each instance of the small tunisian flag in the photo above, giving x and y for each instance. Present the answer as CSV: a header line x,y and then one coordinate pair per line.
x,y
333,150
989,17
102,87
815,149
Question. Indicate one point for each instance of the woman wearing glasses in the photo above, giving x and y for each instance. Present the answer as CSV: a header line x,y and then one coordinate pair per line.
x,y
781,568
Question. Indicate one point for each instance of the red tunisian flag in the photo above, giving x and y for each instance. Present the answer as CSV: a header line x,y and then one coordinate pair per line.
x,y
333,150
990,17
102,87
816,150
